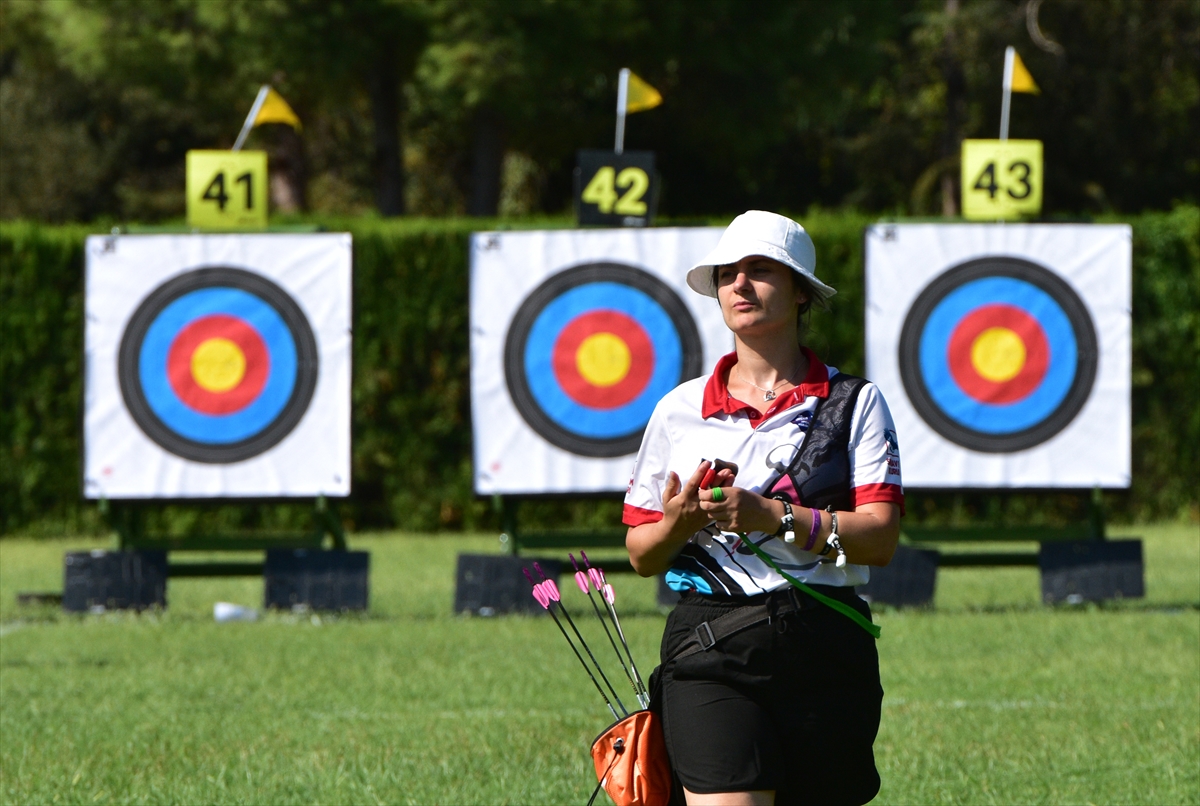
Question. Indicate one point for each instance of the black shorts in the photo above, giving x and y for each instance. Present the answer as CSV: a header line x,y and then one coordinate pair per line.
x,y
790,705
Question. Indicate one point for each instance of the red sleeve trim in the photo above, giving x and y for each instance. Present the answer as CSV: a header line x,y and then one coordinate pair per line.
x,y
636,516
873,493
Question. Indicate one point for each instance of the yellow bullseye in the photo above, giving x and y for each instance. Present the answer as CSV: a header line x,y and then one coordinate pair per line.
x,y
998,354
218,365
603,359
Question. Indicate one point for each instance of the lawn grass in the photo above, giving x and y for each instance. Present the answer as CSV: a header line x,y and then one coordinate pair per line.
x,y
991,697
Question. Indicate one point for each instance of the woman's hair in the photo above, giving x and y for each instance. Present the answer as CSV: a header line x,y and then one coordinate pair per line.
x,y
802,310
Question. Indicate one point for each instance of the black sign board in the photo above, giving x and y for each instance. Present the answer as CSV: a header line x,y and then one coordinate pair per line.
x,y
615,190
1092,570
492,584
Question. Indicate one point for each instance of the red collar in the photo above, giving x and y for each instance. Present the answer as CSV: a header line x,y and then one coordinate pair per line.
x,y
717,398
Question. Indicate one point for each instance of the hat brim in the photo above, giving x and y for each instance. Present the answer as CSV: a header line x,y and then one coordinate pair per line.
x,y
700,277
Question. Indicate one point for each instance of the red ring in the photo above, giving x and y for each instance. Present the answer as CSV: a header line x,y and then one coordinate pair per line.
x,y
583,391
1037,354
195,333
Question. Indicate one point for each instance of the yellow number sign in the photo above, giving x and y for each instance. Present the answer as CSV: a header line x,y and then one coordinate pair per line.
x,y
1001,179
601,191
227,190
615,189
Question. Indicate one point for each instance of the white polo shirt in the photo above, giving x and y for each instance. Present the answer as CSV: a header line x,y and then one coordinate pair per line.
x,y
700,420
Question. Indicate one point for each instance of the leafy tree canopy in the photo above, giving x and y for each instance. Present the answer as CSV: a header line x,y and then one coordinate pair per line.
x,y
449,106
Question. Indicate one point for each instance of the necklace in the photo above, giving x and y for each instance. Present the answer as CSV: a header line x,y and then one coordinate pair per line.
x,y
768,394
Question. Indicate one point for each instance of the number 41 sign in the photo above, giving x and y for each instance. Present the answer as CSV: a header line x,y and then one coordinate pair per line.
x,y
227,190
1001,179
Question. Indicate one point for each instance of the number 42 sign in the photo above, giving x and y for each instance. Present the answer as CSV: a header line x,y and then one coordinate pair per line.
x,y
227,190
615,190
1001,179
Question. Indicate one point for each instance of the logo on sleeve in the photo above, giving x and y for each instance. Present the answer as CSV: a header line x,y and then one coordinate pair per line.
x,y
893,452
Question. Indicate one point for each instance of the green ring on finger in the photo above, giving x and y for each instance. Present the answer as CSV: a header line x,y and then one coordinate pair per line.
x,y
717,494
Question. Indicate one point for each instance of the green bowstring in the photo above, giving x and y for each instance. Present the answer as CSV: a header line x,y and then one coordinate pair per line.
x,y
845,609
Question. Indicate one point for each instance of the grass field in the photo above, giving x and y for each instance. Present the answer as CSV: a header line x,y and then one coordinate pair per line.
x,y
991,697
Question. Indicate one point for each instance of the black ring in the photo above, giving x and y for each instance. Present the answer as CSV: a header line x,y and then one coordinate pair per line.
x,y
307,365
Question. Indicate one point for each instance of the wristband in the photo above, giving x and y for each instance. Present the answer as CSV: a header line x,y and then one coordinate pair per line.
x,y
787,524
835,541
816,528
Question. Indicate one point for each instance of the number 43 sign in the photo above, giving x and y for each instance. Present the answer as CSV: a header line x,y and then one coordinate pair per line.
x,y
1001,179
227,190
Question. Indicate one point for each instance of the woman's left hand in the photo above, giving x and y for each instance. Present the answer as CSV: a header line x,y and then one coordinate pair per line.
x,y
741,510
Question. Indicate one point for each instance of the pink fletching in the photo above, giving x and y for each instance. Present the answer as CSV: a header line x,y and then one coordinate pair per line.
x,y
609,596
541,597
597,579
552,589
582,581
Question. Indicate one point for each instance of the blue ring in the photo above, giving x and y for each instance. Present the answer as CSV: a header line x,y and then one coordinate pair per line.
x,y
539,359
990,418
226,428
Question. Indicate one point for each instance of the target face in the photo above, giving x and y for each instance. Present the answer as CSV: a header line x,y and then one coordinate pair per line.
x,y
592,350
217,365
998,354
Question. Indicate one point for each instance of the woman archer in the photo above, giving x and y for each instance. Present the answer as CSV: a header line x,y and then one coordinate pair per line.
x,y
769,694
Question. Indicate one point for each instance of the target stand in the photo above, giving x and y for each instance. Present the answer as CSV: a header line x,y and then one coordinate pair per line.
x,y
217,374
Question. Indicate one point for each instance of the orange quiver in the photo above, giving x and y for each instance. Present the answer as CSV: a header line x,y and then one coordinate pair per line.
x,y
631,762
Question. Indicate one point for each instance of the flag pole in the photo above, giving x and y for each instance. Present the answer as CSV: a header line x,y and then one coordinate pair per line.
x,y
249,124
622,102
1009,53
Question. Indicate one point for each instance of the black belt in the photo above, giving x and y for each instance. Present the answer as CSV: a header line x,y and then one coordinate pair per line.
x,y
709,633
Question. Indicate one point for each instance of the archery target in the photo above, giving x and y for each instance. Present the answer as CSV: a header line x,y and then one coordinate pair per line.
x,y
998,354
592,350
240,364
1004,351
217,366
576,336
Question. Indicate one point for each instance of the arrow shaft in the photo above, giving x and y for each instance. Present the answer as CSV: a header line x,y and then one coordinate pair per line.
x,y
595,663
617,623
584,664
603,623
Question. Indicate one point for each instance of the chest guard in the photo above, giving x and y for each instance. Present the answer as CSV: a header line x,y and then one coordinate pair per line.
x,y
821,471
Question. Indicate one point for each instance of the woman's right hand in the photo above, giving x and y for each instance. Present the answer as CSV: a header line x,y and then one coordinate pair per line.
x,y
652,546
681,502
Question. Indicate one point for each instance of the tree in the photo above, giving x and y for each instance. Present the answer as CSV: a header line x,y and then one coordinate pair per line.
x,y
330,47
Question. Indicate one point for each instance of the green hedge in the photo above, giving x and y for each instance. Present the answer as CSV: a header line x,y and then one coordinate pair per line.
x,y
411,407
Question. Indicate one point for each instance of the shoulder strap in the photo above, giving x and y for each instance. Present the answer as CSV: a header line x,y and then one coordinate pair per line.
x,y
820,471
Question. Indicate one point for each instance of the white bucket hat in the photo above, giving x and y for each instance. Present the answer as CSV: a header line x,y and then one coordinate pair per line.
x,y
756,232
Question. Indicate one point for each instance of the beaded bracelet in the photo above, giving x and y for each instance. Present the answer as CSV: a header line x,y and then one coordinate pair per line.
x,y
787,524
835,541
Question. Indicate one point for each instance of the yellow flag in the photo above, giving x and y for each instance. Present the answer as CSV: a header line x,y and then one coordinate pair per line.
x,y
641,95
276,110
1021,80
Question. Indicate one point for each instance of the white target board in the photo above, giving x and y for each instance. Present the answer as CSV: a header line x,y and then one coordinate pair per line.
x,y
217,366
575,336
1004,351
